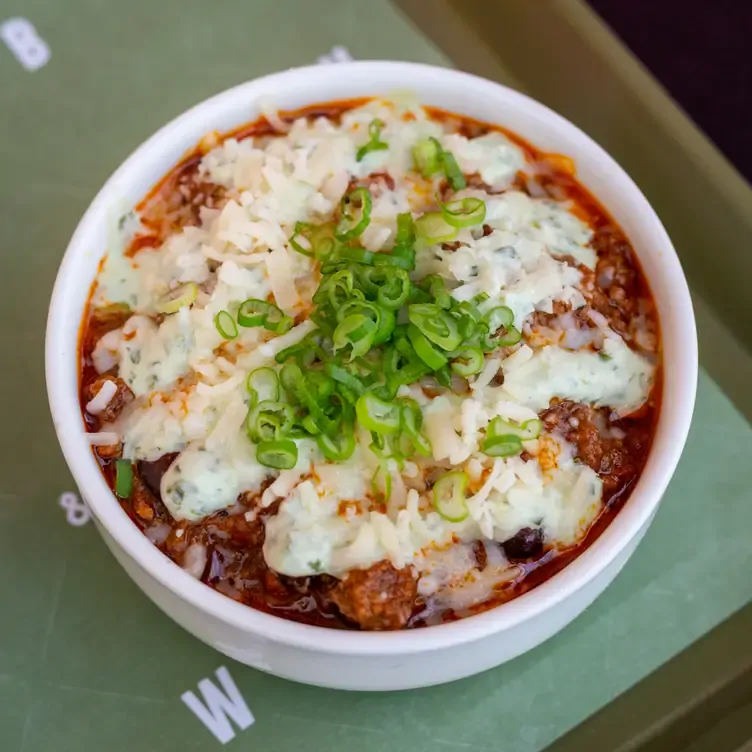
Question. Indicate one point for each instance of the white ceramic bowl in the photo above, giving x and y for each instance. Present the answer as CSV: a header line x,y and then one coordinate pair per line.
x,y
362,660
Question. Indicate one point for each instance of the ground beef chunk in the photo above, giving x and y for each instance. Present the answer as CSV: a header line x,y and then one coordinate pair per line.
x,y
614,288
178,203
378,598
616,450
375,182
104,320
481,555
525,544
110,451
123,395
143,502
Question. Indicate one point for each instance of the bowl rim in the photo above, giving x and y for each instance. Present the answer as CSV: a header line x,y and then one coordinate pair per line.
x,y
671,432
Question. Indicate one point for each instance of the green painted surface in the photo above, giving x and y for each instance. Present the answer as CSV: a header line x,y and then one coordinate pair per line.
x,y
86,662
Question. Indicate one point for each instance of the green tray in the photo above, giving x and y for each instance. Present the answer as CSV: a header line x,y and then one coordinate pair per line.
x,y
86,661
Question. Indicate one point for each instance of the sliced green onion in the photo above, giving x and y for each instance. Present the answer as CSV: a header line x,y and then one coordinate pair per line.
x,y
452,171
386,327
319,239
405,261
464,212
306,348
356,331
280,455
302,229
255,312
375,144
322,385
352,226
343,376
402,364
411,421
269,420
498,317
382,489
468,361
371,310
436,324
449,496
377,415
359,255
427,156
123,479
506,445
391,286
526,431
263,385
435,286
340,447
511,337
337,289
501,333
432,228
226,325
405,231
181,296
444,376
430,355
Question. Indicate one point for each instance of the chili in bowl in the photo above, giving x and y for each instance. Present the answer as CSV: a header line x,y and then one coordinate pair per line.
x,y
385,363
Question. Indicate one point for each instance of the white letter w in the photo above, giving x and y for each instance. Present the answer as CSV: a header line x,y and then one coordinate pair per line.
x,y
219,705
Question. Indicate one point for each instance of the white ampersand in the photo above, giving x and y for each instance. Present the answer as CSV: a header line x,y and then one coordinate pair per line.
x,y
76,511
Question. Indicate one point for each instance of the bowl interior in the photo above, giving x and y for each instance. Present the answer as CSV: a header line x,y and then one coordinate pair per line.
x,y
451,91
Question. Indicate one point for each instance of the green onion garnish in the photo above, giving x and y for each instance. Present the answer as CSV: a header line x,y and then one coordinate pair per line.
x,y
526,431
432,228
344,377
377,415
464,212
411,421
382,489
357,332
449,496
436,324
405,232
263,384
280,455
430,159
504,438
430,355
255,312
123,479
500,332
269,420
181,296
350,225
314,240
340,447
435,286
468,361
375,144
452,171
501,446
226,325
427,156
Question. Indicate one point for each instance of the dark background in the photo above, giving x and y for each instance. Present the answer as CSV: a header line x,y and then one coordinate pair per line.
x,y
701,51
